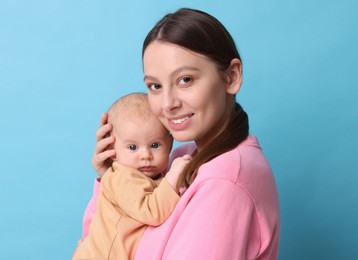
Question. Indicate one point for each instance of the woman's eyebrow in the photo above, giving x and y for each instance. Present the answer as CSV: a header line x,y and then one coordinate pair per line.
x,y
180,69
177,71
146,77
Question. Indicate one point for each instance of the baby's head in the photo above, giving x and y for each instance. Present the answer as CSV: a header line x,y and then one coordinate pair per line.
x,y
142,142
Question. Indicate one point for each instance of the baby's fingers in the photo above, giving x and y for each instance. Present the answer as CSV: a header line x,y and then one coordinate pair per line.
x,y
187,157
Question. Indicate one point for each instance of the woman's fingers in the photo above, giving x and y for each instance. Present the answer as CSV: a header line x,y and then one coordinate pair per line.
x,y
102,144
104,128
103,119
100,158
103,131
102,161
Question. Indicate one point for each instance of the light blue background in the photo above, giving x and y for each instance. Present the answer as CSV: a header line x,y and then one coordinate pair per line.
x,y
62,63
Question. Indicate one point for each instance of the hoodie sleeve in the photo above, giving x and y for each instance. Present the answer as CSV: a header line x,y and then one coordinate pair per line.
x,y
90,209
137,195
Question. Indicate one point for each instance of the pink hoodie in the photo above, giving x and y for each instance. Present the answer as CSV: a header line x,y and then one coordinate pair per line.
x,y
230,211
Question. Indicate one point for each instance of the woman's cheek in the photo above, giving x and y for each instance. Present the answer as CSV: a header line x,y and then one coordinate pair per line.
x,y
154,104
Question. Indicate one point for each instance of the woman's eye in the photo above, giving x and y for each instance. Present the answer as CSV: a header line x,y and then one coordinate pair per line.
x,y
185,80
132,147
155,145
154,86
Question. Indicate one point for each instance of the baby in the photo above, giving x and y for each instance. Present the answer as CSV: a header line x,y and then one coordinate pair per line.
x,y
133,192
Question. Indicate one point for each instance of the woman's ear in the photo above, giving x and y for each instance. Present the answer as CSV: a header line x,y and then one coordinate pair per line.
x,y
234,77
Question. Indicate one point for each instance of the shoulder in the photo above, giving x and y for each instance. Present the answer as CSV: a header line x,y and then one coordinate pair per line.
x,y
225,166
236,162
246,170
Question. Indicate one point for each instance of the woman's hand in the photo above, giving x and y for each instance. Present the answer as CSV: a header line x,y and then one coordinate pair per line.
x,y
103,151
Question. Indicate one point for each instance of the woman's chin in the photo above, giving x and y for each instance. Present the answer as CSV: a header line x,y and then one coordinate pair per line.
x,y
181,137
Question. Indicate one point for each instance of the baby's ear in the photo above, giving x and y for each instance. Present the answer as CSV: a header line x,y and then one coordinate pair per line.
x,y
234,76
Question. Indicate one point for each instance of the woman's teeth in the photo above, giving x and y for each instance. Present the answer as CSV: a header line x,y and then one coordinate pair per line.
x,y
178,121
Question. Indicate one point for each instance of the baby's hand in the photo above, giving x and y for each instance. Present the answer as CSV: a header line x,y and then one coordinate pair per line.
x,y
176,168
101,159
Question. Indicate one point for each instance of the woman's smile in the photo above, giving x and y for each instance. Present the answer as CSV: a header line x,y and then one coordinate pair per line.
x,y
179,123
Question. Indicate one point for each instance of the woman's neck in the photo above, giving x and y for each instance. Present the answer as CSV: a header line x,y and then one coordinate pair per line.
x,y
218,128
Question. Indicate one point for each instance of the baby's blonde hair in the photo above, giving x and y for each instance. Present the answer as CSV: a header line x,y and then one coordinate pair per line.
x,y
133,105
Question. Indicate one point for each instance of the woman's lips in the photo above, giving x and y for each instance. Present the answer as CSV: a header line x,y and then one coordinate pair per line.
x,y
180,123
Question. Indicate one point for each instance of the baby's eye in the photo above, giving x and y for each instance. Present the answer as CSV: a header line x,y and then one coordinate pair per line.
x,y
132,147
185,80
154,86
155,145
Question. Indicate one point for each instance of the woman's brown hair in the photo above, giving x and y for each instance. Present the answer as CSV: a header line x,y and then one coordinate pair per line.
x,y
204,34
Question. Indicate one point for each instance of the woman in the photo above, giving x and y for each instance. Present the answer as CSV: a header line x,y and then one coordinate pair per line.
x,y
229,206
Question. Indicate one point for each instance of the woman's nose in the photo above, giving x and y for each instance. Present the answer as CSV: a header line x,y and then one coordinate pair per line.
x,y
170,100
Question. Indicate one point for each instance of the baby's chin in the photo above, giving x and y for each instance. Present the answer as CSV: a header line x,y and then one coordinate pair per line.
x,y
152,175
